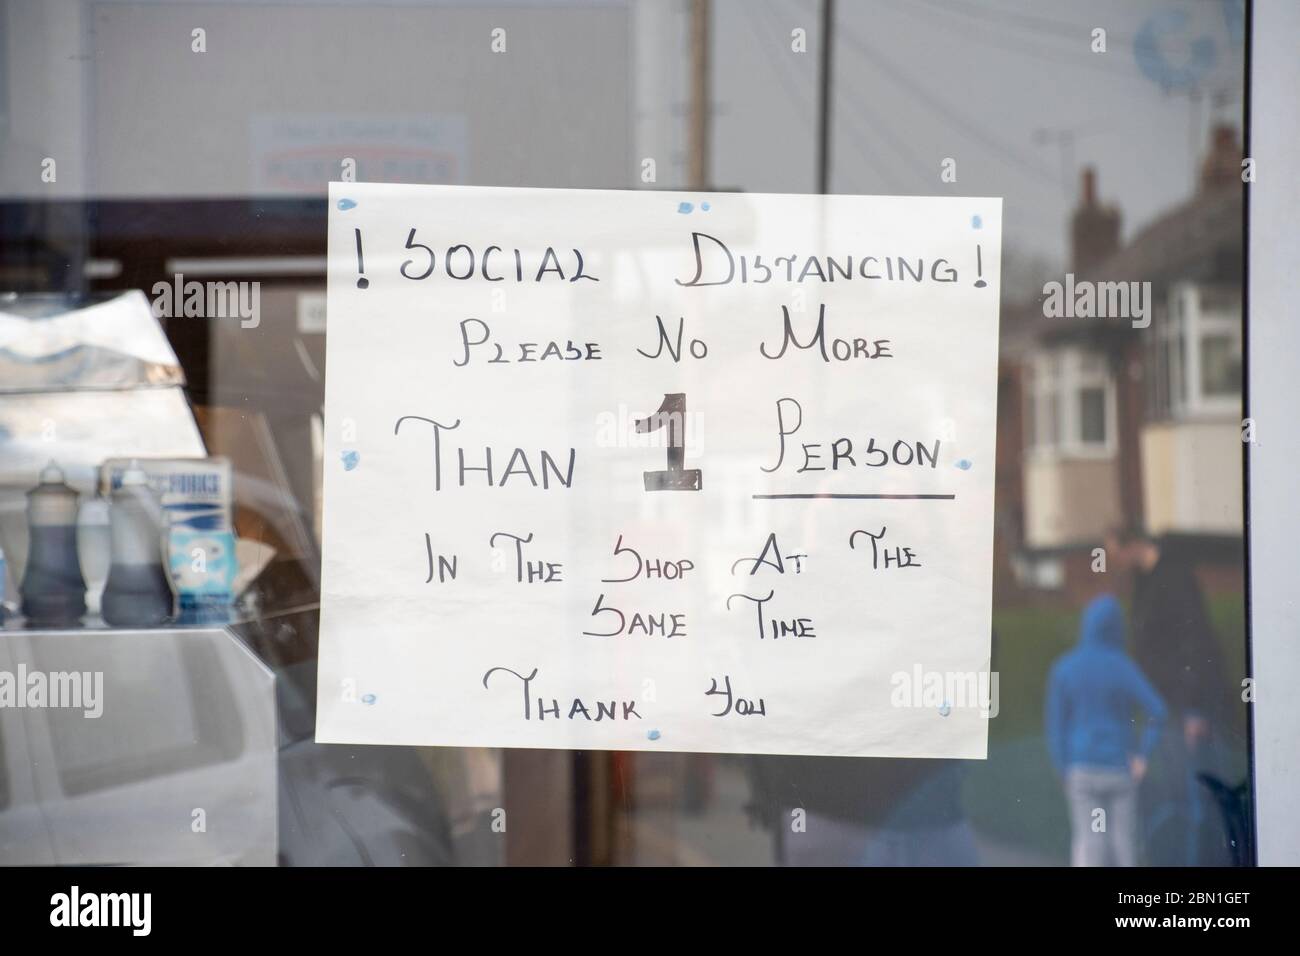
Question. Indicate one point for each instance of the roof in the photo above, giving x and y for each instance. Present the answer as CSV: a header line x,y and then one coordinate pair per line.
x,y
1199,240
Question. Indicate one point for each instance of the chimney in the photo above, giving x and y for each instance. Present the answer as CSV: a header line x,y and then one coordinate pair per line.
x,y
1089,186
1222,164
1094,228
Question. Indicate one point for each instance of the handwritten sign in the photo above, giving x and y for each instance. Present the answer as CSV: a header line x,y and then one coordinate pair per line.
x,y
653,471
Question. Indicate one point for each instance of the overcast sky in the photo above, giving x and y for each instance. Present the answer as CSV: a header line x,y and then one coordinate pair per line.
x,y
1010,89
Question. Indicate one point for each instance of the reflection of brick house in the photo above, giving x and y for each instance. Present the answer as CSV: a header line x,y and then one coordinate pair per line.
x,y
1101,423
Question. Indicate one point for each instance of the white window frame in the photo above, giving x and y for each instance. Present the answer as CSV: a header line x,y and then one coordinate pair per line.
x,y
1190,322
1064,371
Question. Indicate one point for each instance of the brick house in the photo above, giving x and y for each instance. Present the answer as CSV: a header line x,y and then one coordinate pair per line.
x,y
1101,423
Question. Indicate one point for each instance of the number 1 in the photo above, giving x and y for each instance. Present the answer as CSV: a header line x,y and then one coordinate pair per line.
x,y
672,416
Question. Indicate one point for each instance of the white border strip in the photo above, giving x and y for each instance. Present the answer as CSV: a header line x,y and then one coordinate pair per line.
x,y
1274,251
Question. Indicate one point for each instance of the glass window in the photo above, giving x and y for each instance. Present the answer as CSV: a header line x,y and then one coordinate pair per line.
x,y
1092,417
1220,365
151,148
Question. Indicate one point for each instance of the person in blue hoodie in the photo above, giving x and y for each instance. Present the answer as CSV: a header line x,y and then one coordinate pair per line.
x,y
1093,695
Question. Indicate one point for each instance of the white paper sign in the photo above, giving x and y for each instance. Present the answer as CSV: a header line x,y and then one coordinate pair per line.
x,y
655,471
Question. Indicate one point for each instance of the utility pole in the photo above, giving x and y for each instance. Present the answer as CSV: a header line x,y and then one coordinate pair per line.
x,y
699,129
827,43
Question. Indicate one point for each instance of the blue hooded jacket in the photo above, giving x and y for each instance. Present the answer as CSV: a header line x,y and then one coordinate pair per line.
x,y
1092,694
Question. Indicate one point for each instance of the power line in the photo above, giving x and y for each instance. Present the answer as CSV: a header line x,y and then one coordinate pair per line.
x,y
1003,42
849,120
1048,26
971,129
777,43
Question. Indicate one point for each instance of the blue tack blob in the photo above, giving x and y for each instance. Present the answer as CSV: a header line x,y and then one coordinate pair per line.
x,y
945,709
685,207
964,464
976,222
369,699
704,206
346,204
653,735
351,459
